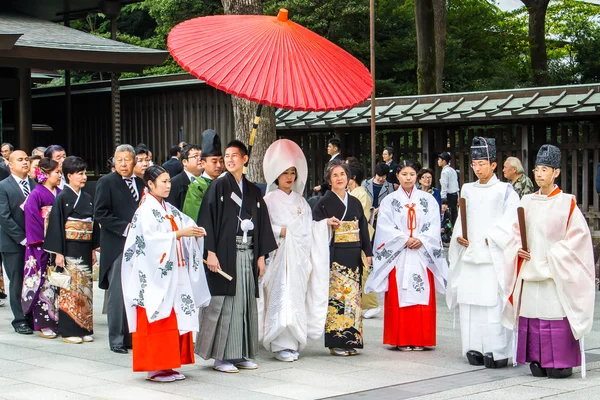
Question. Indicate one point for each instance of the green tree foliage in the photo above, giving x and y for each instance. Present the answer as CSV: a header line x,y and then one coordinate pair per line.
x,y
487,48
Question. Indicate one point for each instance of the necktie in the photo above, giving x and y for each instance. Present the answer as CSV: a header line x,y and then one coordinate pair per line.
x,y
192,179
130,184
25,185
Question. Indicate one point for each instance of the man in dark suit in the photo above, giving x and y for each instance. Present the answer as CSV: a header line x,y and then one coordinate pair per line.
x,y
334,148
190,156
117,198
388,158
174,166
13,192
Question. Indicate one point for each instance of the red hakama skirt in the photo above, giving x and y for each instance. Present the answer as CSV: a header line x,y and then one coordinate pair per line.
x,y
412,325
158,345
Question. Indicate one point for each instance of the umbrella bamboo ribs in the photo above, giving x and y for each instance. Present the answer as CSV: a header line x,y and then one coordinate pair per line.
x,y
271,61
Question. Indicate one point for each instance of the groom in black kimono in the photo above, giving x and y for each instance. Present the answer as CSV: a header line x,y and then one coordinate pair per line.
x,y
238,237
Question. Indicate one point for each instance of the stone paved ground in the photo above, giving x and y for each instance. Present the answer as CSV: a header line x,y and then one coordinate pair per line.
x,y
36,368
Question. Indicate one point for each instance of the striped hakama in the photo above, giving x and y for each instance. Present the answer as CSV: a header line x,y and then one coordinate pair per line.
x,y
229,325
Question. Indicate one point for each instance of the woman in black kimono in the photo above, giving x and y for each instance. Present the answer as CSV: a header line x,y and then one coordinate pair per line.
x,y
72,234
349,235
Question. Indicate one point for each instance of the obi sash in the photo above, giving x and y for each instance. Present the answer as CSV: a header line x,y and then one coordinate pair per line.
x,y
79,230
347,232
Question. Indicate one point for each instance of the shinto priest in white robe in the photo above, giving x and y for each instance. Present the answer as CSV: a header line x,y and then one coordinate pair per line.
x,y
285,306
557,283
161,273
478,279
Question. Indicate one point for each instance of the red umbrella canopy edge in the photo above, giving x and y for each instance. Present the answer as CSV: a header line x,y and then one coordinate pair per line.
x,y
270,60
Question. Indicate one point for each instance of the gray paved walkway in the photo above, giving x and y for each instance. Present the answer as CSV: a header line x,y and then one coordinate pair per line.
x,y
36,368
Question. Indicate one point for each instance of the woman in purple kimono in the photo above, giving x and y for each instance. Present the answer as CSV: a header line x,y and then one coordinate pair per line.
x,y
38,297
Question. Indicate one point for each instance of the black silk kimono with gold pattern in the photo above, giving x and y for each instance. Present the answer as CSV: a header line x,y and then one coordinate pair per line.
x,y
343,326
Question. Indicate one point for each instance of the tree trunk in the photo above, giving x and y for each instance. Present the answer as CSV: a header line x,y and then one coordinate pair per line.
x,y
243,114
244,110
439,16
426,67
537,40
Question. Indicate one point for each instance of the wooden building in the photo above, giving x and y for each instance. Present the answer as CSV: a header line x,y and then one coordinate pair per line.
x,y
160,111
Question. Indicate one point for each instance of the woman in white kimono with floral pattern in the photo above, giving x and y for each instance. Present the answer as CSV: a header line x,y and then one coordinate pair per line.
x,y
283,304
163,282
409,263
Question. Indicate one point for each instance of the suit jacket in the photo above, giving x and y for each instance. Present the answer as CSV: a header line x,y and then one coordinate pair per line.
x,y
173,166
386,189
179,188
4,171
325,185
12,217
391,178
114,207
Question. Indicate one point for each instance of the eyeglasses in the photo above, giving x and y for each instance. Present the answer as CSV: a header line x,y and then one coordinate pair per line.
x,y
195,157
542,169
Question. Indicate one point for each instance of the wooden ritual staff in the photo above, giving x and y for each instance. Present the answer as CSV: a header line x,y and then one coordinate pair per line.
x,y
462,204
523,229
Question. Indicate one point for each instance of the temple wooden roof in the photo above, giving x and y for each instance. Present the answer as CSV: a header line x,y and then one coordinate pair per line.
x,y
473,108
30,42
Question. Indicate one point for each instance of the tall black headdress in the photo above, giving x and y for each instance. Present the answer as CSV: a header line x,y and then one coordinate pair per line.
x,y
548,155
483,149
211,143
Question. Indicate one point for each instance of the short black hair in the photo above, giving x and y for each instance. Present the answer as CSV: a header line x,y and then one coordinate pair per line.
x,y
53,149
445,201
141,149
174,150
72,165
238,145
335,142
10,146
186,150
153,172
408,163
382,169
390,150
357,172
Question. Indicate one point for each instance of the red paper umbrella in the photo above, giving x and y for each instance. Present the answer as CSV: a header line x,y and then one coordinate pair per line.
x,y
271,61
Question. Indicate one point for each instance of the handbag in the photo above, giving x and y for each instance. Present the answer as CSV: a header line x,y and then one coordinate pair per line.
x,y
59,279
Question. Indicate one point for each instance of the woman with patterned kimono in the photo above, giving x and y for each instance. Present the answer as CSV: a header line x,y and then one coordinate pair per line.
x,y
163,282
409,263
72,236
38,296
340,232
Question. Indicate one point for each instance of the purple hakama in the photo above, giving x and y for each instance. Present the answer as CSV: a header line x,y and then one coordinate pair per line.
x,y
549,342
37,296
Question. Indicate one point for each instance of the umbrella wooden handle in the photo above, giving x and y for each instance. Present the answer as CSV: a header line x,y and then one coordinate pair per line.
x,y
523,228
462,203
254,130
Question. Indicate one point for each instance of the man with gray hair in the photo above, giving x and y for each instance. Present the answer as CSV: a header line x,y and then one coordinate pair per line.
x,y
117,198
39,151
513,171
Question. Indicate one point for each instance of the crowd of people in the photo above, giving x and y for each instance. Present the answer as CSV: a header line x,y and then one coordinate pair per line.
x,y
194,247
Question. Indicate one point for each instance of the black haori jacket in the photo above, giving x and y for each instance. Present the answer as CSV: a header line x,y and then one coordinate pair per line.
x,y
219,214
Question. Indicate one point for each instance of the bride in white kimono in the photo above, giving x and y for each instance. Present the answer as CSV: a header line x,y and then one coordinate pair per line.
x,y
283,322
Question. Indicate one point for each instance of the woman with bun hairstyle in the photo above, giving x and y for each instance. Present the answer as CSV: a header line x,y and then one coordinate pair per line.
x,y
38,296
72,236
